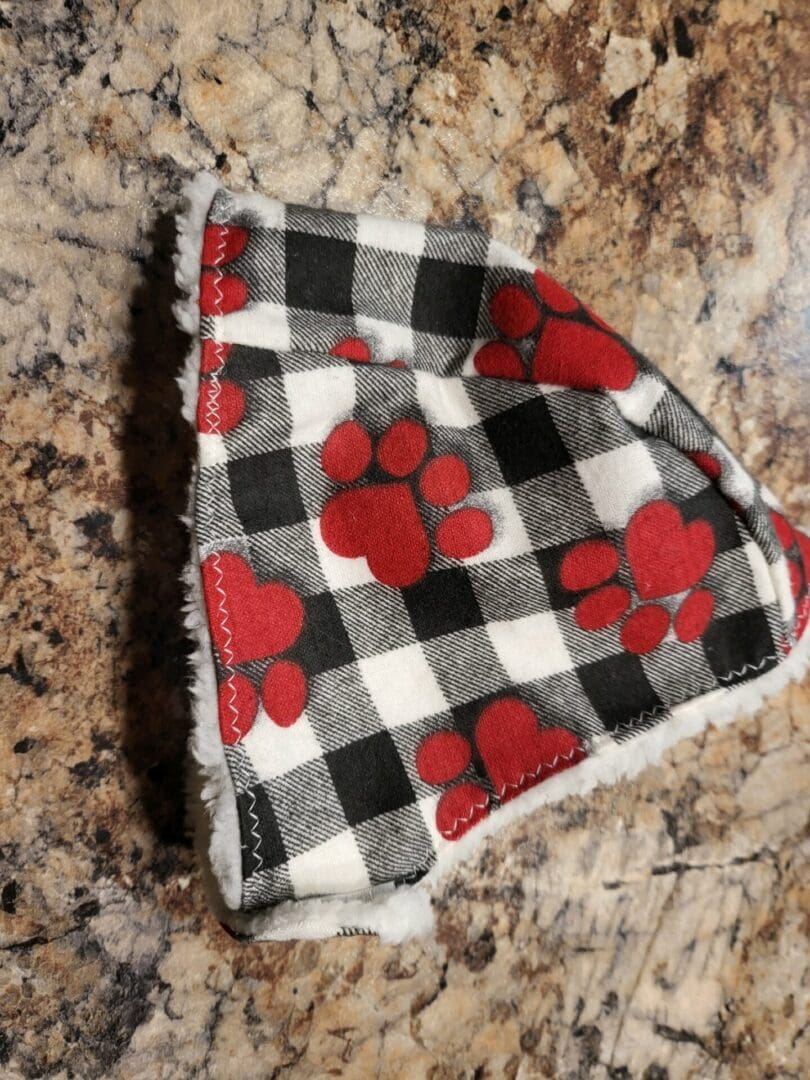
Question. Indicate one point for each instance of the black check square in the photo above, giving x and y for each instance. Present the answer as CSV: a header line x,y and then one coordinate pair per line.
x,y
324,643
369,778
446,298
619,690
264,848
319,271
465,665
526,442
739,645
265,491
442,602
395,845
709,505
246,363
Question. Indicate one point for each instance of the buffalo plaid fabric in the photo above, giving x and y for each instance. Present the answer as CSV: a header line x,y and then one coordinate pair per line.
x,y
455,535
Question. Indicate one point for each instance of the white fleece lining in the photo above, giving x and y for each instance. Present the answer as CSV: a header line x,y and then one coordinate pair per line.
x,y
394,913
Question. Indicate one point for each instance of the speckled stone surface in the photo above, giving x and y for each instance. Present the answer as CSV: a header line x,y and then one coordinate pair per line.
x,y
653,156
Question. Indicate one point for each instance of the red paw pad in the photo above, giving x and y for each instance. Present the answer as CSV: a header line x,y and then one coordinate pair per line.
x,y
237,708
284,692
645,629
499,361
445,480
707,463
694,615
346,454
222,244
514,311
588,564
460,808
352,348
220,294
583,357
442,757
402,447
220,407
602,608
213,355
665,555
553,295
464,533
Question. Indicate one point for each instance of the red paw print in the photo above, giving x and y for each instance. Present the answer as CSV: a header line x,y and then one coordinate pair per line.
x,y
797,550
553,339
515,753
665,558
251,622
381,520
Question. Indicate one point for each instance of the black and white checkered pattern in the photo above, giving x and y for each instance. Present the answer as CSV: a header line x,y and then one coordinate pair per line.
x,y
334,803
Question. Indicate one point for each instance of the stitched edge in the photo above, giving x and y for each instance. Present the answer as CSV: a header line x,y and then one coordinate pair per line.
x,y
543,766
214,416
464,818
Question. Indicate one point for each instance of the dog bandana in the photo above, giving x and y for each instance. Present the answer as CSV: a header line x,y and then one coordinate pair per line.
x,y
458,550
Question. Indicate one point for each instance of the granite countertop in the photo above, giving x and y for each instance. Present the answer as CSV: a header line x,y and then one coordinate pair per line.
x,y
655,160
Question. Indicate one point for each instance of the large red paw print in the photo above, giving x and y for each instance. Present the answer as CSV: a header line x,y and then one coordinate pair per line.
x,y
248,622
552,338
516,755
380,521
665,558
797,550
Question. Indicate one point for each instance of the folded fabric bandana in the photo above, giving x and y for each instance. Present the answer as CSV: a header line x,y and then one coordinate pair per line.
x,y
458,550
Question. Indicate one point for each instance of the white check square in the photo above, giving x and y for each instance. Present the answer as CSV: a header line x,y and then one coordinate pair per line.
x,y
212,450
336,866
407,237
390,341
619,481
318,402
445,401
274,750
402,686
760,573
263,325
638,401
530,648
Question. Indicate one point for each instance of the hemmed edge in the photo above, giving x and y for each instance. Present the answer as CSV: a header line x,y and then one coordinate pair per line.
x,y
216,827
406,913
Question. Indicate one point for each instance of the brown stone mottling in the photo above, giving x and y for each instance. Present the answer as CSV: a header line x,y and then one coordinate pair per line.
x,y
654,156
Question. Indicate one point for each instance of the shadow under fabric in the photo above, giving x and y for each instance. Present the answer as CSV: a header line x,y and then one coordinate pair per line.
x,y
458,550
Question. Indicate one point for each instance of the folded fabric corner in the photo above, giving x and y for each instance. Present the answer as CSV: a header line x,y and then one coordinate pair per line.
x,y
458,550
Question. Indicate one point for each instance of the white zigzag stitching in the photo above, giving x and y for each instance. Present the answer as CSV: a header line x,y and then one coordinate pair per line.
x,y
535,773
213,416
467,817
254,830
